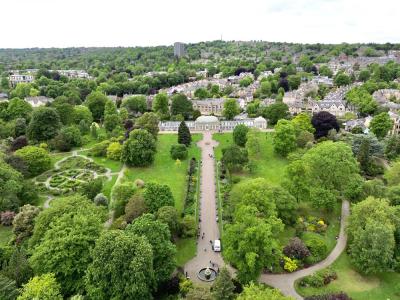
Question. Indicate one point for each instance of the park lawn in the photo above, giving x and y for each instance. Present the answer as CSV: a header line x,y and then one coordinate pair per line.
x,y
108,185
113,165
165,170
358,287
268,166
186,250
56,156
5,234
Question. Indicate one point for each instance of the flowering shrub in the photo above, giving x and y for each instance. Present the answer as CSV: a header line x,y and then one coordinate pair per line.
x,y
7,218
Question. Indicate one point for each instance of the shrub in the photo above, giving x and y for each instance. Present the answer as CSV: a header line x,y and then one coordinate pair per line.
x,y
114,151
19,143
37,159
317,246
67,138
188,226
135,208
91,188
120,195
336,296
296,249
290,265
119,223
319,279
100,199
157,195
139,183
100,149
7,217
178,151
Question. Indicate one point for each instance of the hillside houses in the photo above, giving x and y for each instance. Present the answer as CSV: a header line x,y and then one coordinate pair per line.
x,y
388,98
209,106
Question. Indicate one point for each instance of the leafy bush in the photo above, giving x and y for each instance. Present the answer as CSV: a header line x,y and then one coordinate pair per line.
x,y
100,149
317,246
114,151
7,217
37,159
100,199
120,195
91,188
178,151
135,208
188,226
336,296
296,249
67,138
290,265
19,143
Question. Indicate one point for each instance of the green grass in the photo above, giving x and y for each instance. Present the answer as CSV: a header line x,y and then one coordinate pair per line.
x,y
165,170
186,250
108,185
5,234
55,157
269,165
113,165
383,286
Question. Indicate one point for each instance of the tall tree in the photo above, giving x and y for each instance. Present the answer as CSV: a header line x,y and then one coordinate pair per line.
x,y
231,109
240,134
276,112
381,124
157,195
149,121
223,287
122,267
184,136
44,124
180,105
96,102
284,138
160,104
43,287
139,149
323,122
251,242
159,237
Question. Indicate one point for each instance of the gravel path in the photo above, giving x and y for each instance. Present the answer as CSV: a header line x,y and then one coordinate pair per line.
x,y
285,282
208,224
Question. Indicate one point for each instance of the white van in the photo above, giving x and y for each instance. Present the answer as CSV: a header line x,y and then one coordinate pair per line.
x,y
217,246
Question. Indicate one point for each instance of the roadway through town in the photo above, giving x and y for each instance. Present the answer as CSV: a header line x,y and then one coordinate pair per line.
x,y
208,225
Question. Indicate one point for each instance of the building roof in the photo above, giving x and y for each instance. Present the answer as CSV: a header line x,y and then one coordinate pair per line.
x,y
207,119
259,119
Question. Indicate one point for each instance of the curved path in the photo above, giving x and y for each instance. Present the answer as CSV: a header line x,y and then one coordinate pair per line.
x,y
285,282
207,214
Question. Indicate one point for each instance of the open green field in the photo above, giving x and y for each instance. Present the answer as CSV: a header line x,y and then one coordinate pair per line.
x,y
5,234
186,250
358,287
269,165
165,170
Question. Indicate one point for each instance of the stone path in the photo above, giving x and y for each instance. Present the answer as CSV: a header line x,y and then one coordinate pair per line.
x,y
285,282
207,214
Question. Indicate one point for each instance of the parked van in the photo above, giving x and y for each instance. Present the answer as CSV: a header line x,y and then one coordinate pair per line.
x,y
217,246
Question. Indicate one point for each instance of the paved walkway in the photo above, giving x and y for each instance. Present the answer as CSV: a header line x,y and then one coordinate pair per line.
x,y
208,224
285,282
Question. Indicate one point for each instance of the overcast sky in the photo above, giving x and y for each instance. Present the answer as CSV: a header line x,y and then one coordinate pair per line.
x,y
66,23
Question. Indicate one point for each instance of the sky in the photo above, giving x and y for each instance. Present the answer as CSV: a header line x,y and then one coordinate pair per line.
x,y
76,23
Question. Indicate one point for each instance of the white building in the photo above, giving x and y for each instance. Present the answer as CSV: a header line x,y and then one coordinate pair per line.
x,y
38,101
19,78
212,123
